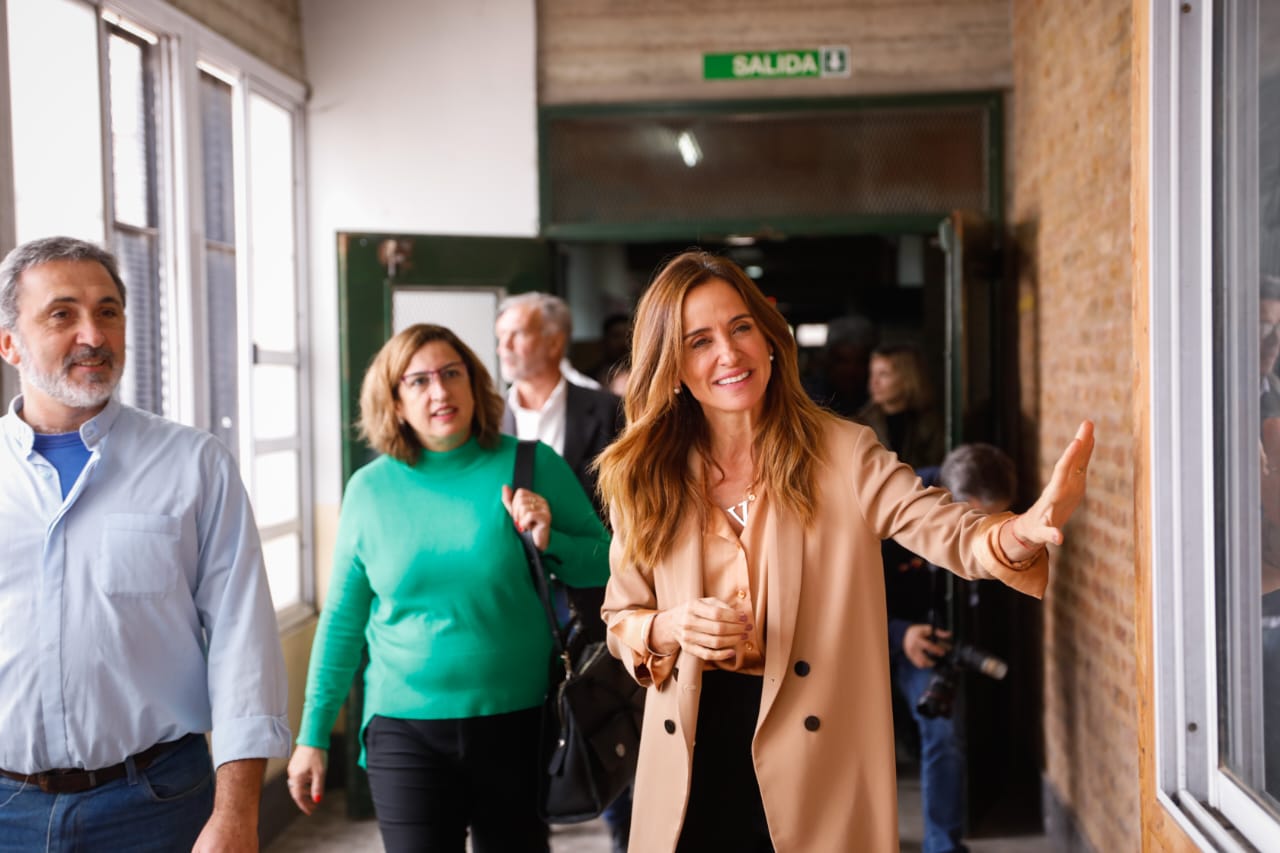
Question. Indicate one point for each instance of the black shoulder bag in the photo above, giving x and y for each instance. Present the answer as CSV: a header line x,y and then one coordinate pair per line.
x,y
592,714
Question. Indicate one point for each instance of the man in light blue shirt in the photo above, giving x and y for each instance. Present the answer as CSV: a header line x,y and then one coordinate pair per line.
x,y
134,609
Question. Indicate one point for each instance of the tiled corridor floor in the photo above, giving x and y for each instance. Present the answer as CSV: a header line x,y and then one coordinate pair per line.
x,y
329,831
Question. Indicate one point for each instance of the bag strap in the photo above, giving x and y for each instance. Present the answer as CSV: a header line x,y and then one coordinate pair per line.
x,y
522,478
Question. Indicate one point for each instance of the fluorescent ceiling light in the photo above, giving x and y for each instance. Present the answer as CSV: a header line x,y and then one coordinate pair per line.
x,y
689,150
811,334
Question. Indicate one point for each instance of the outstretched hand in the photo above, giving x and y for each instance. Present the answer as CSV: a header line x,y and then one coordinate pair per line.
x,y
1042,523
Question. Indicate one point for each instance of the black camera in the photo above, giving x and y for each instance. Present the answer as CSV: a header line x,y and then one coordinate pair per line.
x,y
939,696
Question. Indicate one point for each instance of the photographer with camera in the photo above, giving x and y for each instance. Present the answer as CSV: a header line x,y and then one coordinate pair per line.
x,y
923,660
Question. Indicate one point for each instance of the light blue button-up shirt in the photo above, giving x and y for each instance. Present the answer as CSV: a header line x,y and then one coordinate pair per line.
x,y
137,609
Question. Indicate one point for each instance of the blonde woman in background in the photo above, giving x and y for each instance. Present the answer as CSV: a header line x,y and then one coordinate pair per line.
x,y
901,409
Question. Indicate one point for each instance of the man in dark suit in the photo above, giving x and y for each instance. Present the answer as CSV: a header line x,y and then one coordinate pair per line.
x,y
578,422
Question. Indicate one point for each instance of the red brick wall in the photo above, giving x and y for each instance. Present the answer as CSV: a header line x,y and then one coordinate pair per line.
x,y
1070,211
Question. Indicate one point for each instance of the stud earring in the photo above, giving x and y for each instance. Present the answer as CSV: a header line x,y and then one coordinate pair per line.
x,y
771,356
676,390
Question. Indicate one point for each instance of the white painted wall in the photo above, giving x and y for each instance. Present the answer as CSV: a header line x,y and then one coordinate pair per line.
x,y
422,119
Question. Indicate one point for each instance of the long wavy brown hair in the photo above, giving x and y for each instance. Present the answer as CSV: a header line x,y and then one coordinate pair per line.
x,y
645,478
381,426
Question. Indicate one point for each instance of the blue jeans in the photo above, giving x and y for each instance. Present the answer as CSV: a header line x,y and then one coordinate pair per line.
x,y
160,809
941,764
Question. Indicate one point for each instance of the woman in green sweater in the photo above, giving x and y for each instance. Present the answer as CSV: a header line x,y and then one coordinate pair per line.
x,y
429,573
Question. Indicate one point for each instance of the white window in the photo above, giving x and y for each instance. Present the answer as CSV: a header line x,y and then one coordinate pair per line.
x,y
136,127
1215,303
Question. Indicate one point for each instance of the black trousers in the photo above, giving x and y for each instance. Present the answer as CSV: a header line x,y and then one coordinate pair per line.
x,y
725,811
432,779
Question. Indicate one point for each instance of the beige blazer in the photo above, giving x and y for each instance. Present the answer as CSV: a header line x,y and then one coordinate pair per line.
x,y
823,746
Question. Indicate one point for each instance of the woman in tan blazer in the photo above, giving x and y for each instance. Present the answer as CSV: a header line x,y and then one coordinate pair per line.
x,y
746,590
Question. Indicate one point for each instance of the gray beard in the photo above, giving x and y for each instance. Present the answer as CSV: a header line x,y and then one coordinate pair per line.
x,y
59,386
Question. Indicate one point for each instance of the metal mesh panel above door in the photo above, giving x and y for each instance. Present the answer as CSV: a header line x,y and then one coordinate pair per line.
x,y
764,167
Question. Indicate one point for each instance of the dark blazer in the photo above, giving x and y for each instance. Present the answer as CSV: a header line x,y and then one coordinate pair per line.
x,y
592,420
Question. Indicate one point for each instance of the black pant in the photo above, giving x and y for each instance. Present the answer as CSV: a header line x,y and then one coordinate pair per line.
x,y
431,779
725,811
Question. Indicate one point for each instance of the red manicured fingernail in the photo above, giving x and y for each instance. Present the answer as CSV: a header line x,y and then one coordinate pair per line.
x,y
315,798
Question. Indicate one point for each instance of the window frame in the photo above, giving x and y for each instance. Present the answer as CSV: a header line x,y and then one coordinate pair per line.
x,y
190,48
1192,392
184,48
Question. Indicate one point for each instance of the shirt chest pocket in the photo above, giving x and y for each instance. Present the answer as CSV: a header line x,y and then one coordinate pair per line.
x,y
141,555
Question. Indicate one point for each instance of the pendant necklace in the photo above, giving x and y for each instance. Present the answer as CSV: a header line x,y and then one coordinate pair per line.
x,y
738,512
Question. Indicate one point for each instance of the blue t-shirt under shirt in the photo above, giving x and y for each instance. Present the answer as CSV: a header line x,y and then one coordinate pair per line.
x,y
66,453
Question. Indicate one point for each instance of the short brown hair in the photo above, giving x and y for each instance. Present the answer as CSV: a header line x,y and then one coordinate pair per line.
x,y
379,424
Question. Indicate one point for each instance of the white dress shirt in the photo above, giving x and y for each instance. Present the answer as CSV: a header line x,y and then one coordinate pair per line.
x,y
545,424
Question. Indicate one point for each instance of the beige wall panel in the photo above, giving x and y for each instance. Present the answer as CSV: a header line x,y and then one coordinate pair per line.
x,y
610,52
269,29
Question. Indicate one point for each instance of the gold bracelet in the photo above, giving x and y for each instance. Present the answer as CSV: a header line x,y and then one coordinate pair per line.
x,y
1003,558
1018,539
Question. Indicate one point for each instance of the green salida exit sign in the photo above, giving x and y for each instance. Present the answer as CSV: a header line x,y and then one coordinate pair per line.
x,y
830,61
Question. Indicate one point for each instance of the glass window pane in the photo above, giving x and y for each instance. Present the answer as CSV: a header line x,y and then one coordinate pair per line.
x,y
283,557
219,165
1247,284
271,219
275,395
1268,31
144,374
131,151
275,487
57,122
670,166
224,361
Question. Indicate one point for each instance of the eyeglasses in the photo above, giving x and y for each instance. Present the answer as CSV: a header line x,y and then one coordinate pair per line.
x,y
419,381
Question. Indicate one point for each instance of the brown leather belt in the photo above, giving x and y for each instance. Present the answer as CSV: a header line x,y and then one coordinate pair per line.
x,y
75,781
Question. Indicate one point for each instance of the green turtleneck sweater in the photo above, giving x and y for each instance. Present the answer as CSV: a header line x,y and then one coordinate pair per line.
x,y
429,571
